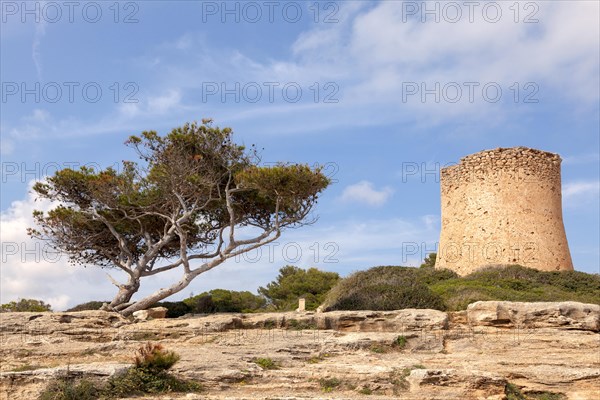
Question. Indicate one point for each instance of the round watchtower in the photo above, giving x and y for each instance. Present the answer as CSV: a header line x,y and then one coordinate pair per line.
x,y
500,207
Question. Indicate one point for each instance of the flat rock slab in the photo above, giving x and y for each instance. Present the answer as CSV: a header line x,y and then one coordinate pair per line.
x,y
562,315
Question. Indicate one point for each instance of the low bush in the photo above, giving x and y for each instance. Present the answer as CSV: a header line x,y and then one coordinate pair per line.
x,y
222,301
328,384
149,375
517,283
153,357
266,363
25,305
89,306
385,288
293,283
389,288
175,309
71,389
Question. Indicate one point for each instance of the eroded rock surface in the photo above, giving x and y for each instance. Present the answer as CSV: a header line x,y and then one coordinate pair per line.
x,y
342,355
562,315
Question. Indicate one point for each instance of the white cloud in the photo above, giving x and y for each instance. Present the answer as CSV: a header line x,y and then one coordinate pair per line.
x,y
31,270
580,192
40,32
364,192
163,104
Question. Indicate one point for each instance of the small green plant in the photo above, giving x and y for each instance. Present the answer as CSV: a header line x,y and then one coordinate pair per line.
x,y
400,342
328,384
301,325
398,378
513,392
366,390
148,375
69,389
153,357
378,348
266,363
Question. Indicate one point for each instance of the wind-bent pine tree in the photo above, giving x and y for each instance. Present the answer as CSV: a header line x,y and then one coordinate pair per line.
x,y
180,207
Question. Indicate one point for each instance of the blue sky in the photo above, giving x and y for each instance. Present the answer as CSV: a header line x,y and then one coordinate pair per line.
x,y
380,93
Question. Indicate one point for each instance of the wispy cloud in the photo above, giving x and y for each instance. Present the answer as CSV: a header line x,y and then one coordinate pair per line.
x,y
364,192
580,192
40,32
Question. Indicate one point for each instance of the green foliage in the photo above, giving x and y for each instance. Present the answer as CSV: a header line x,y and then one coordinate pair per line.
x,y
136,381
266,363
388,288
221,301
175,309
125,218
516,283
328,384
400,342
25,305
378,348
301,325
71,389
149,375
429,261
153,357
366,391
513,392
90,305
293,283
398,378
383,288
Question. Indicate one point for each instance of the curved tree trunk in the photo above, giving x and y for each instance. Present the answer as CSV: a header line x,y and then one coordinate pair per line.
x,y
124,295
163,293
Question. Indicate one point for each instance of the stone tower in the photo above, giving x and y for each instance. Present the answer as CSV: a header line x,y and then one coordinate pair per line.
x,y
503,206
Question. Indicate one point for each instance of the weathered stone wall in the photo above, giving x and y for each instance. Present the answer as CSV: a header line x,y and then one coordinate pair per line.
x,y
503,206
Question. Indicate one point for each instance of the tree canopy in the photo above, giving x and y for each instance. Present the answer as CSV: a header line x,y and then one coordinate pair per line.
x,y
25,305
293,283
181,206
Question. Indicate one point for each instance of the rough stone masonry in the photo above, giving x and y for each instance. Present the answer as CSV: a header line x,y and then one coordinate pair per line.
x,y
500,207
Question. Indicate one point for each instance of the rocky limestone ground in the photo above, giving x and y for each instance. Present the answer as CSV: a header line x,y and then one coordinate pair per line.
x,y
473,354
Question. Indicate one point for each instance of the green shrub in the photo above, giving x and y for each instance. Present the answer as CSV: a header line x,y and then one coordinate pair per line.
x,y
385,288
400,342
517,283
153,357
293,283
366,390
148,375
328,384
25,305
222,301
71,389
266,363
175,309
136,381
89,306
513,392
390,288
429,261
